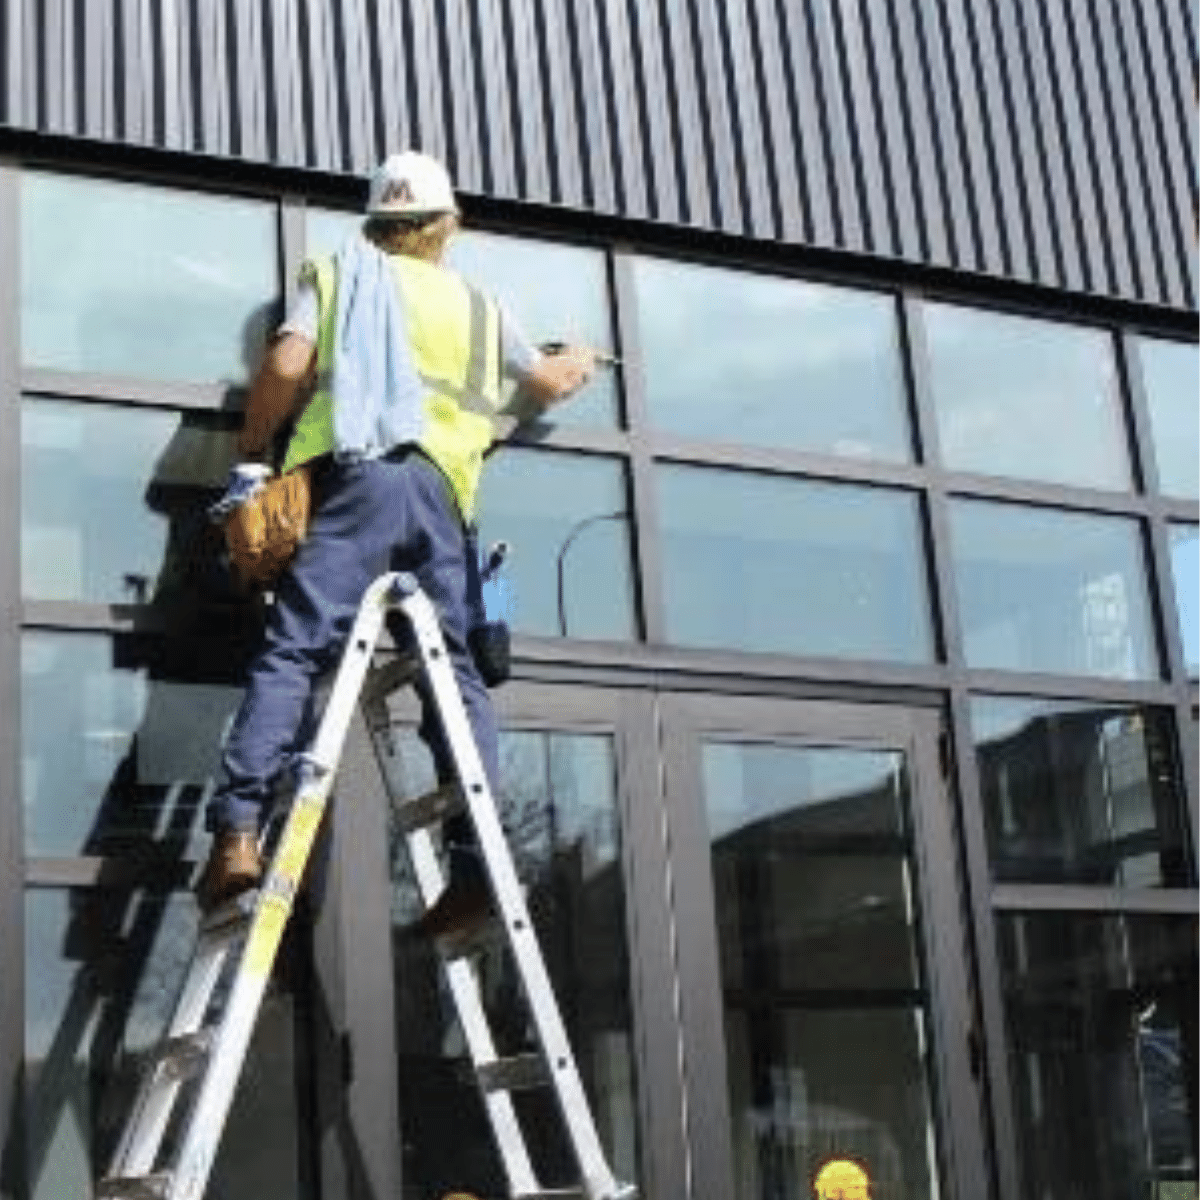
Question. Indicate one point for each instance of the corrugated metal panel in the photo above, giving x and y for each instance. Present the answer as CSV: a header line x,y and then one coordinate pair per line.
x,y
1053,142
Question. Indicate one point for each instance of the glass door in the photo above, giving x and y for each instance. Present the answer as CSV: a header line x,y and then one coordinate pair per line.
x,y
822,966
576,768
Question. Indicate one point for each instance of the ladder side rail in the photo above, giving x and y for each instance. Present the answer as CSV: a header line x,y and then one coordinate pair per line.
x,y
207,1120
143,1133
598,1180
468,1001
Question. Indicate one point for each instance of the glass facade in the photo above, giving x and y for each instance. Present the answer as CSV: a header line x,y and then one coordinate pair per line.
x,y
124,279
1081,793
754,562
733,357
1052,591
1008,392
776,495
825,1009
1170,374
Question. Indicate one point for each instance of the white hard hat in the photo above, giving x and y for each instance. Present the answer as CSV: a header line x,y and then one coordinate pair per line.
x,y
410,184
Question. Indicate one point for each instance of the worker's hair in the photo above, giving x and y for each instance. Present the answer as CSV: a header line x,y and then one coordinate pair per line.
x,y
421,237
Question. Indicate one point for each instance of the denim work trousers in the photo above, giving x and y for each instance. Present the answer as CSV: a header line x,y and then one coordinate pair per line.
x,y
370,516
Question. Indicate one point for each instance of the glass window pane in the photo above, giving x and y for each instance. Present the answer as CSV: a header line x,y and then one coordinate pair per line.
x,y
1102,1047
1081,793
730,356
754,562
127,279
1032,399
566,517
111,501
558,802
1185,568
826,1014
554,292
1171,374
116,759
102,971
1044,590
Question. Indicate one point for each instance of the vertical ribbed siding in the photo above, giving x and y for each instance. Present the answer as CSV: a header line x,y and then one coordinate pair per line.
x,y
1051,141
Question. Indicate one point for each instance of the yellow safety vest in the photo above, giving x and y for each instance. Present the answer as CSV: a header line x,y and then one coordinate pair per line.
x,y
454,333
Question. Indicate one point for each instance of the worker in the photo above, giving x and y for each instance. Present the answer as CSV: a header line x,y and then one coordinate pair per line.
x,y
407,365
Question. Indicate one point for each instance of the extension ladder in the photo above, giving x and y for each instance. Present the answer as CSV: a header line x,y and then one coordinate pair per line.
x,y
212,1050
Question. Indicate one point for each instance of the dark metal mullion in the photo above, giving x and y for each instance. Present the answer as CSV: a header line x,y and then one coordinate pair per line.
x,y
12,908
645,531
989,977
963,776
710,1151
120,389
1087,898
944,928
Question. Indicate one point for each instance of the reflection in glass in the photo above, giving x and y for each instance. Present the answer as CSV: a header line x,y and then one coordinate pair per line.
x,y
566,517
731,356
127,279
1185,569
112,500
1044,590
752,562
554,292
116,760
1081,793
102,969
1023,397
1102,1050
1170,374
558,802
825,1008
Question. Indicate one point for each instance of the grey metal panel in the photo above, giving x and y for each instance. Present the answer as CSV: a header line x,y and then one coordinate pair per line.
x,y
714,84
498,100
782,135
661,137
625,95
692,155
749,129
1174,231
1046,142
939,99
899,162
922,148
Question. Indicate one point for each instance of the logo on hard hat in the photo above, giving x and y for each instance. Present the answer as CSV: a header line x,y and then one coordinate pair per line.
x,y
842,1179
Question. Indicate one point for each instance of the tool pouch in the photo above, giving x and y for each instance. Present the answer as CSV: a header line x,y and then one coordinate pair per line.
x,y
490,647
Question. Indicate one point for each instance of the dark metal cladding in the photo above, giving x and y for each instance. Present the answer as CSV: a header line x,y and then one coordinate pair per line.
x,y
1050,143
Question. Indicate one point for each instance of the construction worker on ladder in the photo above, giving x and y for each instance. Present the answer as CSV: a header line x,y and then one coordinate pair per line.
x,y
409,365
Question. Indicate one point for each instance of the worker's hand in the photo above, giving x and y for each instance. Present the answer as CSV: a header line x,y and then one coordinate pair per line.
x,y
562,371
244,480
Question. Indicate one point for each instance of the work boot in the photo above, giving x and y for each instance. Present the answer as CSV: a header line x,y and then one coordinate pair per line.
x,y
234,866
464,903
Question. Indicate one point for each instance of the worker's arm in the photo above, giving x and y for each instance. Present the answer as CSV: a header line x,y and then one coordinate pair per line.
x,y
275,393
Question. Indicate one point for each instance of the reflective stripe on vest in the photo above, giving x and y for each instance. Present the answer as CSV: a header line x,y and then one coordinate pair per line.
x,y
454,333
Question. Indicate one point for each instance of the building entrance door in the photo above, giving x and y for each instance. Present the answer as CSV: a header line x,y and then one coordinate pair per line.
x,y
750,911
821,957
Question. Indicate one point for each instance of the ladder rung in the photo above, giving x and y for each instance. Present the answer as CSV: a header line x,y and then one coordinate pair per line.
x,y
135,1187
231,918
513,1074
390,677
412,815
476,940
182,1056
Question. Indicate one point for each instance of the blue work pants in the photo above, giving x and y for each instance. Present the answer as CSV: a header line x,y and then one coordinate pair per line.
x,y
394,513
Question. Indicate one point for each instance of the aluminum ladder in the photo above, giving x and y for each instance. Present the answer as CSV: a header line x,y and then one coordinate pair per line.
x,y
249,930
